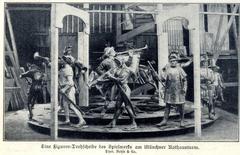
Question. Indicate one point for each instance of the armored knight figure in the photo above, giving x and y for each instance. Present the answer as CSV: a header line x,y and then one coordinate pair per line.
x,y
175,81
207,87
67,90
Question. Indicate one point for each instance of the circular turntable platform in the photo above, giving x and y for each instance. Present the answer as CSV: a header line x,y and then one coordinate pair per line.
x,y
41,123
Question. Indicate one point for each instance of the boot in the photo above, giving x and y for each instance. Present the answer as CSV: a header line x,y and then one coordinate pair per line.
x,y
210,112
166,116
181,111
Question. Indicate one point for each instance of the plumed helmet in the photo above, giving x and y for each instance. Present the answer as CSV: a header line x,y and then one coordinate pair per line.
x,y
67,50
109,51
68,59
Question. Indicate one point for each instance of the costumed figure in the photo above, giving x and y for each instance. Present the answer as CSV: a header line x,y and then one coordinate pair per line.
x,y
67,91
175,82
218,83
36,88
107,65
105,88
207,87
121,93
79,71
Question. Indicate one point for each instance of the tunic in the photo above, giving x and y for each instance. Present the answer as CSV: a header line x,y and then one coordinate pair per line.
x,y
207,87
176,84
37,81
105,65
122,75
66,83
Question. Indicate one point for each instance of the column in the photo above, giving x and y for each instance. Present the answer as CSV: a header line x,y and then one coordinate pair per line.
x,y
162,59
162,44
54,74
194,44
83,55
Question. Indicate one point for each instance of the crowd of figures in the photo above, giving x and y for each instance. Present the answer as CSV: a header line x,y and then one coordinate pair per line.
x,y
111,78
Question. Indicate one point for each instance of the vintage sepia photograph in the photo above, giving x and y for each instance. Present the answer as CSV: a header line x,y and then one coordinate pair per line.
x,y
122,72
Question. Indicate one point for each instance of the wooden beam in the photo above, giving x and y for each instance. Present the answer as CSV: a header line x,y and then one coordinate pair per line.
x,y
82,55
12,38
218,32
54,74
122,11
222,40
238,46
113,11
230,84
219,13
7,46
235,35
135,32
27,8
118,26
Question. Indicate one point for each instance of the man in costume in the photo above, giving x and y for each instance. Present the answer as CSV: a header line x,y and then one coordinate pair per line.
x,y
36,88
218,83
67,90
175,82
108,64
207,87
121,93
79,71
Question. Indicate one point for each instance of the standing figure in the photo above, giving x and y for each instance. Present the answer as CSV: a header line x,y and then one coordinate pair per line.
x,y
36,88
207,87
67,90
218,83
175,82
122,93
108,61
106,65
79,71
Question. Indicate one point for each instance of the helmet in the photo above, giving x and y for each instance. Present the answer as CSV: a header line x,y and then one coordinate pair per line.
x,y
173,56
68,59
109,51
67,50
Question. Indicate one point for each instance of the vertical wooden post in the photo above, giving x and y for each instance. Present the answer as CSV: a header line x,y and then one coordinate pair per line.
x,y
162,44
162,59
82,55
238,55
54,74
118,25
195,47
